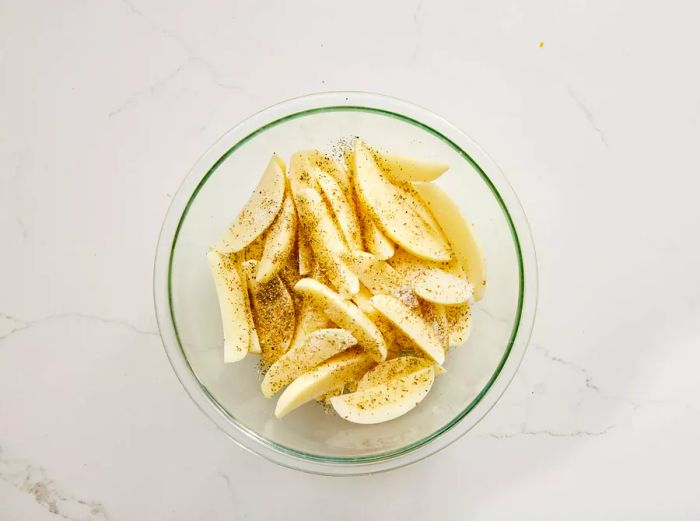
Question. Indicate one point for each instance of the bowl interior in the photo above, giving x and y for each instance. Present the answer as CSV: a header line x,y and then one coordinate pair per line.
x,y
310,432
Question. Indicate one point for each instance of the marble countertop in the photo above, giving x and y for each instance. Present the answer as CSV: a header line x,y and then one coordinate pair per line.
x,y
591,108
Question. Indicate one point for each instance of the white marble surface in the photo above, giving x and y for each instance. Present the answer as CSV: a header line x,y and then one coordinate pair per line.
x,y
104,105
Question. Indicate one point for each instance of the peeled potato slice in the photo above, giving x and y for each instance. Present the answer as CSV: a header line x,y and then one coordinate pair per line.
x,y
247,273
411,324
317,347
342,368
346,315
279,242
404,169
273,315
397,219
387,401
326,241
342,210
391,369
233,305
259,212
460,234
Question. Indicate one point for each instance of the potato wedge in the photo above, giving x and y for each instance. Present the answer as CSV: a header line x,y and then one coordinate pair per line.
x,y
233,305
399,168
373,238
279,242
385,402
247,273
344,367
411,324
391,369
346,315
459,233
342,209
397,219
259,212
317,347
327,243
273,315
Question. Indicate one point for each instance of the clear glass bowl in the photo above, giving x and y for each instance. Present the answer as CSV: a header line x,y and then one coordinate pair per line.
x,y
310,439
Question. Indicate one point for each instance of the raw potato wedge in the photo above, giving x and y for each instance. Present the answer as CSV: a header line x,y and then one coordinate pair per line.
x,y
459,233
411,324
387,401
259,212
399,168
233,301
345,367
373,238
317,347
397,219
326,241
346,315
391,369
459,321
380,278
247,273
279,242
273,315
299,178
342,210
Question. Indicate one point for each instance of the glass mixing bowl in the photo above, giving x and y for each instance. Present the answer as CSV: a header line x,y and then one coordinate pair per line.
x,y
310,439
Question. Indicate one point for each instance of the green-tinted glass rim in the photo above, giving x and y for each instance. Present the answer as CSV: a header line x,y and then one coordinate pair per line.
x,y
521,286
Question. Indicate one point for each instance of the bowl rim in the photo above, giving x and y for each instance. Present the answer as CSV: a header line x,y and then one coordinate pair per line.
x,y
461,143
